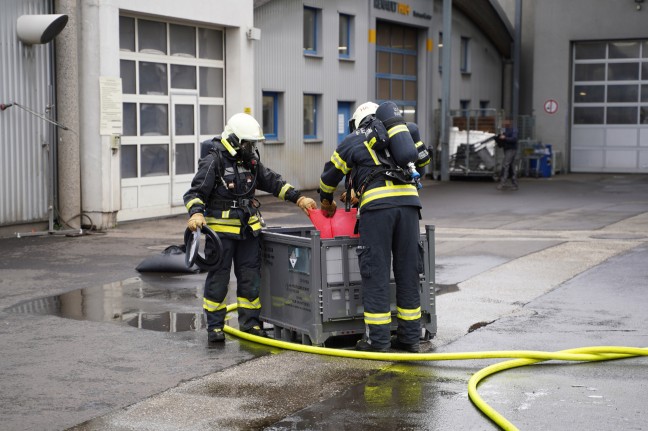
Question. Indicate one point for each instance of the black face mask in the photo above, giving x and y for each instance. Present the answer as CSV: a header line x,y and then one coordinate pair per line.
x,y
249,154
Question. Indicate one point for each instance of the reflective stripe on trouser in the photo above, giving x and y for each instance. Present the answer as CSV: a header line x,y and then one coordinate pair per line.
x,y
246,256
390,235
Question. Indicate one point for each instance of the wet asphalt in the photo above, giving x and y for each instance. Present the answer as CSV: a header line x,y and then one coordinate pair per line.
x,y
89,343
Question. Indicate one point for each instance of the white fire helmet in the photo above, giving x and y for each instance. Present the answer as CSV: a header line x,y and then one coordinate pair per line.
x,y
244,127
362,111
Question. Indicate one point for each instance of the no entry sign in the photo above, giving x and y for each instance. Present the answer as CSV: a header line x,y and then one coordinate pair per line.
x,y
551,106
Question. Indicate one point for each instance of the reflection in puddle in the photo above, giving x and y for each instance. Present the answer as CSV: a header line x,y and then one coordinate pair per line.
x,y
136,302
159,302
440,289
168,322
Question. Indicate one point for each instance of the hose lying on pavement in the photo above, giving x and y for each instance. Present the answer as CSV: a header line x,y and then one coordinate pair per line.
x,y
522,358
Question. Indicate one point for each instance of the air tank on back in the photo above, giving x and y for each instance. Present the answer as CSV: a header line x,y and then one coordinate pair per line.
x,y
401,145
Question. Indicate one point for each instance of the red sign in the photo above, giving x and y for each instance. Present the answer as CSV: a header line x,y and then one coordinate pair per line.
x,y
551,106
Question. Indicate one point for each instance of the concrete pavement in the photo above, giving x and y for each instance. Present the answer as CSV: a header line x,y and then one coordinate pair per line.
x,y
555,265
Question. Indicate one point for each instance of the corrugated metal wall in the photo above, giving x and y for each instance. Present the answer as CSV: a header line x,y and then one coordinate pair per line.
x,y
25,78
282,67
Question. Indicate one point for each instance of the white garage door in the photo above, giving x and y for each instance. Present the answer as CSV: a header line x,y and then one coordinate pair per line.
x,y
173,84
609,130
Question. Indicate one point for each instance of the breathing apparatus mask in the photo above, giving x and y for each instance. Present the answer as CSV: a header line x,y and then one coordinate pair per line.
x,y
241,134
249,154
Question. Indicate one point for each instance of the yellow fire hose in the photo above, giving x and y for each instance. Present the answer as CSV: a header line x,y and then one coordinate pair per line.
x,y
522,358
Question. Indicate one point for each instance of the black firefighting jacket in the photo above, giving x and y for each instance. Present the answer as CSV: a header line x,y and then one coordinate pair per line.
x,y
367,174
224,187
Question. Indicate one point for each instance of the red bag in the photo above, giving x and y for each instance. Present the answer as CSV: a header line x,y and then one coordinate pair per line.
x,y
341,224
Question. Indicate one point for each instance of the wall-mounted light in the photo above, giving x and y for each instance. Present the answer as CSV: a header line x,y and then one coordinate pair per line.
x,y
37,29
638,3
254,33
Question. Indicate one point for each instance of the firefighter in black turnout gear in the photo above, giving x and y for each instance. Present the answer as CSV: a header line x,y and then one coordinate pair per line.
x,y
222,196
389,213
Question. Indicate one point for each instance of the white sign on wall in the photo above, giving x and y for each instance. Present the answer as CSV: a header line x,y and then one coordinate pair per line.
x,y
110,93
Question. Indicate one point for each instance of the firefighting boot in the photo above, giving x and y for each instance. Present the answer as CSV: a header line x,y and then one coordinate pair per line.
x,y
257,330
216,336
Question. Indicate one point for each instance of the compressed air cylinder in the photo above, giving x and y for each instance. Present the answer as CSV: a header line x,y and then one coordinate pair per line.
x,y
401,145
423,157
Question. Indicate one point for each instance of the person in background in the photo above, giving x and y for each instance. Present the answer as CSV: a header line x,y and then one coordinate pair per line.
x,y
222,196
507,140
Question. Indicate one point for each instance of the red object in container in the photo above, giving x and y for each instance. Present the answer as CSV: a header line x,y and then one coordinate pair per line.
x,y
341,224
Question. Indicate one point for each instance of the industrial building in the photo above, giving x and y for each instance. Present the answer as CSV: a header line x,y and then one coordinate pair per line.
x,y
102,124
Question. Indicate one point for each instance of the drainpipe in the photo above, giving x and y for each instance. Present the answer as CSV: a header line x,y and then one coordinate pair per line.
x,y
517,42
446,73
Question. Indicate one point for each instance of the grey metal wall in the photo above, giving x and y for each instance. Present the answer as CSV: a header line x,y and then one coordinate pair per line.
x,y
282,67
25,78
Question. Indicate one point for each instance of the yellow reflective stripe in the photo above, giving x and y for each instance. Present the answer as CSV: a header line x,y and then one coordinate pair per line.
x,y
228,147
326,188
227,221
254,223
232,225
418,144
377,318
339,163
226,214
246,303
284,189
408,314
397,129
226,229
213,306
420,165
387,192
372,153
193,202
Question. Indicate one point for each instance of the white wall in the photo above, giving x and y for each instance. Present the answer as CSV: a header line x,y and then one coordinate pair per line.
x,y
99,57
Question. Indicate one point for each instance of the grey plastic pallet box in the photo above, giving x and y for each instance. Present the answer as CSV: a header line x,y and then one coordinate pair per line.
x,y
311,287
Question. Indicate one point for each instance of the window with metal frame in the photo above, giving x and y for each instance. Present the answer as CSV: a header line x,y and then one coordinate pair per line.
x,y
310,115
158,59
344,36
440,48
465,55
311,29
609,82
396,67
271,115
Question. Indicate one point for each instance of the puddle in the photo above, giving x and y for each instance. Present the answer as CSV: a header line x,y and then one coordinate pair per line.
x,y
157,303
440,289
153,302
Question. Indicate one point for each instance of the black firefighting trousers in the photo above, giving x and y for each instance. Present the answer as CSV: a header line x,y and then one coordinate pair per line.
x,y
386,234
246,256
